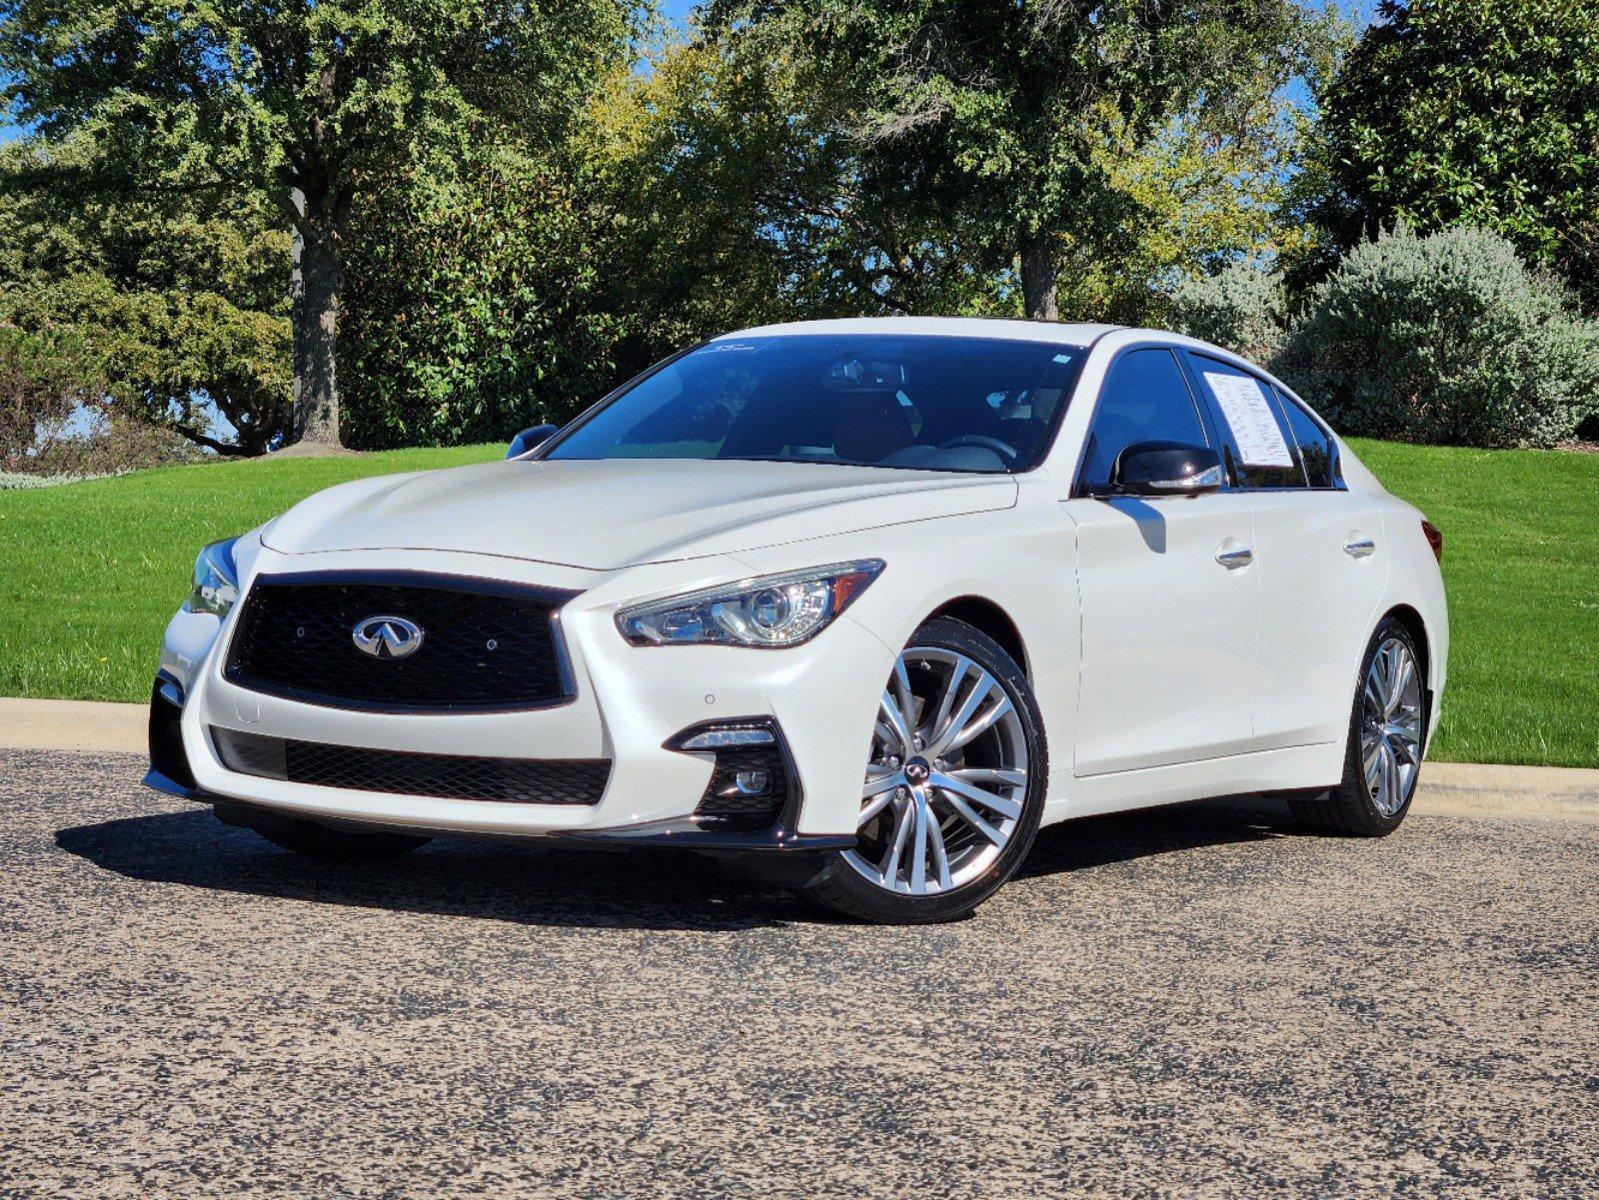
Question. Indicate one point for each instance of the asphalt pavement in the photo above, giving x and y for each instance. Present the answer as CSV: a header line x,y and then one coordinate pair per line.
x,y
1194,1002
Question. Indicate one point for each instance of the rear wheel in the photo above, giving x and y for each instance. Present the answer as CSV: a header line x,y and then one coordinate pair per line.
x,y
1387,729
954,788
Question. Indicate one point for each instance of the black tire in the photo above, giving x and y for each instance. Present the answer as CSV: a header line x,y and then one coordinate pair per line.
x,y
327,844
1348,809
841,889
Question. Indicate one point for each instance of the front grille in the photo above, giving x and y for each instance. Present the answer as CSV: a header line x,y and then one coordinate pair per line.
x,y
485,644
447,776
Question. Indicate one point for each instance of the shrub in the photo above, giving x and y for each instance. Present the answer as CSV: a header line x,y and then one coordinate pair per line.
x,y
1447,338
1239,308
42,379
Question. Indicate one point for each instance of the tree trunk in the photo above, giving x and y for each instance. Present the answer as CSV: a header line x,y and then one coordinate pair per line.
x,y
318,281
1039,291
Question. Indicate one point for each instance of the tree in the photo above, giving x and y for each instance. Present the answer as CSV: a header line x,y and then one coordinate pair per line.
x,y
474,306
994,114
178,298
731,201
306,103
42,379
1482,112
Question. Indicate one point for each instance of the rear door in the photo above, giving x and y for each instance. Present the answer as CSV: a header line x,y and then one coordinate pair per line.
x,y
1319,554
1168,630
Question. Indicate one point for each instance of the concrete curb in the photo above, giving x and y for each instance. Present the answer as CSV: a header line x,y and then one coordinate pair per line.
x,y
1447,789
73,725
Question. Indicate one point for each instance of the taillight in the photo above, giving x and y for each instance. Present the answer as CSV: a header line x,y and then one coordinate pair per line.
x,y
1434,539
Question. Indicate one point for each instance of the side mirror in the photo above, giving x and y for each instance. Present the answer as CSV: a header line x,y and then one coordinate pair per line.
x,y
530,439
1166,469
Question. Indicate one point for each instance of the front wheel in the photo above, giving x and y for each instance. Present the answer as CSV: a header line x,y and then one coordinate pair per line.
x,y
954,788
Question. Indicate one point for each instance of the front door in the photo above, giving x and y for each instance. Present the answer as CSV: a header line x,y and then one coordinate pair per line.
x,y
1168,592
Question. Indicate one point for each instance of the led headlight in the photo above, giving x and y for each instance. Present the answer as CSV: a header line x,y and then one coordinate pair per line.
x,y
216,580
774,610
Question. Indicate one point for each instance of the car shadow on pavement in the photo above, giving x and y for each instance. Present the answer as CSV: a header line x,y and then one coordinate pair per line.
x,y
492,880
582,887
1099,841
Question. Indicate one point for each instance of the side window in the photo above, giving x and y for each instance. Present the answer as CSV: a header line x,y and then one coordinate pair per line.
x,y
1316,447
1144,397
1255,440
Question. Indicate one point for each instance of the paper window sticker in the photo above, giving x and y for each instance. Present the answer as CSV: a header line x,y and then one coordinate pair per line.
x,y
1248,413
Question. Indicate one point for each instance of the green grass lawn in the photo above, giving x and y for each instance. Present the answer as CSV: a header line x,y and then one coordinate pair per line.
x,y
1521,563
90,573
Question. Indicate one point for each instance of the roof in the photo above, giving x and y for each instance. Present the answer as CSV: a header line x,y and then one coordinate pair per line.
x,y
1032,331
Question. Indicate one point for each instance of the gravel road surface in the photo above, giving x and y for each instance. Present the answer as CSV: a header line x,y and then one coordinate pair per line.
x,y
1190,1003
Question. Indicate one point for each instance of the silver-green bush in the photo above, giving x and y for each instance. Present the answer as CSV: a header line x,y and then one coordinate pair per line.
x,y
1447,338
1240,308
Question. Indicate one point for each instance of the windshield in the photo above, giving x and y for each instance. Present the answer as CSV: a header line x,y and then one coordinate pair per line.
x,y
910,401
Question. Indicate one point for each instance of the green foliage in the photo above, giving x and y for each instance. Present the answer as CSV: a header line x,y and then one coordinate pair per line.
x,y
301,107
177,294
994,117
1484,112
42,379
473,309
1447,338
1240,308
731,200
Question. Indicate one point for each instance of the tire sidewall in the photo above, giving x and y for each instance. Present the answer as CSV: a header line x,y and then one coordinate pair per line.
x,y
1355,775
839,881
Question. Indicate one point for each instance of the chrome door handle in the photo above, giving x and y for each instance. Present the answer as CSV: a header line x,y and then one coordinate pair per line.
x,y
1360,547
1235,557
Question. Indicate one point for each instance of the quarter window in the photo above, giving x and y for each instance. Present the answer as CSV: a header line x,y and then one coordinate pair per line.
x,y
1145,397
1315,443
1260,450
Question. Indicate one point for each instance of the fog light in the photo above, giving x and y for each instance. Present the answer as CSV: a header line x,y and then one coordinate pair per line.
x,y
752,783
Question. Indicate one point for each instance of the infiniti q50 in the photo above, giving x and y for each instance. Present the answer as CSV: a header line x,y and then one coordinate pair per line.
x,y
872,599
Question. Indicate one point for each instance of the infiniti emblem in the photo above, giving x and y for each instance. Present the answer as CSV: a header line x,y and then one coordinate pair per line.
x,y
387,637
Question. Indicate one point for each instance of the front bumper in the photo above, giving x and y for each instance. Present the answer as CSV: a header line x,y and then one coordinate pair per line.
x,y
630,703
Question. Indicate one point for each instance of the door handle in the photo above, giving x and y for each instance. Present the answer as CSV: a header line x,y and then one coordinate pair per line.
x,y
1232,556
1360,547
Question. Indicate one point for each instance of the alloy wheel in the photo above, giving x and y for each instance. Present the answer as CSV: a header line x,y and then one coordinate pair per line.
x,y
1390,731
947,780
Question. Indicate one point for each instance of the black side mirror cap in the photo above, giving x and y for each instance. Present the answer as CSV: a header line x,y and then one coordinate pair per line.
x,y
530,439
1157,468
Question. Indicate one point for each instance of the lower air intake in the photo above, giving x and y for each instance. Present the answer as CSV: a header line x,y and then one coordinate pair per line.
x,y
446,776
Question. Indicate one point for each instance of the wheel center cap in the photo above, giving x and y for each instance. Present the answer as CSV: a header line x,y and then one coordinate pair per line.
x,y
917,770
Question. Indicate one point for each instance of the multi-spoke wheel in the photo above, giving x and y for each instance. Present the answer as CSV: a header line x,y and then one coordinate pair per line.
x,y
1390,733
954,785
1386,737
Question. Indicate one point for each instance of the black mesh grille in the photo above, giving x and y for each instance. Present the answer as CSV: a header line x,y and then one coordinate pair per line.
x,y
448,776
484,644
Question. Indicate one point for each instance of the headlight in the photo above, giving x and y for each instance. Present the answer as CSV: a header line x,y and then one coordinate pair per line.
x,y
216,580
774,610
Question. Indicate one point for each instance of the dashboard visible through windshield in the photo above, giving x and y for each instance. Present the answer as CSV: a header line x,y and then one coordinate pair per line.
x,y
914,401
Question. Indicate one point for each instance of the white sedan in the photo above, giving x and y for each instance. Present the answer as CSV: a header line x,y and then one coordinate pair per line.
x,y
873,599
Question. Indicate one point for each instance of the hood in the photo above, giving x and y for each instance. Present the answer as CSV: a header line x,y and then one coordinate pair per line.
x,y
607,514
